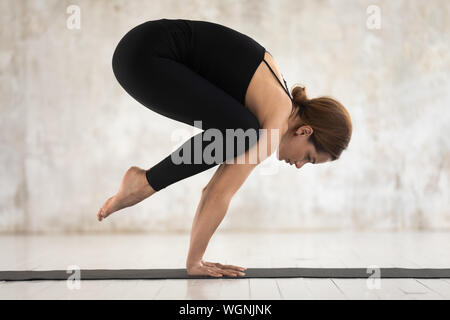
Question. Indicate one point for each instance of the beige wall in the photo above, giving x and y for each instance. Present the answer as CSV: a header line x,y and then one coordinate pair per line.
x,y
68,131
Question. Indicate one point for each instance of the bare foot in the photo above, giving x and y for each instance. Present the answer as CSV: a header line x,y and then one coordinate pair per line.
x,y
133,189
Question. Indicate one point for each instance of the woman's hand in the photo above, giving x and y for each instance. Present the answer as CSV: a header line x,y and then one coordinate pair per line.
x,y
214,269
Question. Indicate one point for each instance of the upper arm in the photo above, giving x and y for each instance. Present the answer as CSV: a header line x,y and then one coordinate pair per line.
x,y
229,177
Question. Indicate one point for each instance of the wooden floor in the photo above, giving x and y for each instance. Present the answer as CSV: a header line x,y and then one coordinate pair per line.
x,y
308,249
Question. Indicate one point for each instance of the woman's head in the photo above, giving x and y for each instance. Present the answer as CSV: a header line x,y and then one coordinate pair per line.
x,y
319,134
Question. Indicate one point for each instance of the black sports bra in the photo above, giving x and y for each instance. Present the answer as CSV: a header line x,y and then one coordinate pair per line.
x,y
285,88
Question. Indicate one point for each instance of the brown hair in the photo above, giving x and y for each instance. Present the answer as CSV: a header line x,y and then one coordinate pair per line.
x,y
328,118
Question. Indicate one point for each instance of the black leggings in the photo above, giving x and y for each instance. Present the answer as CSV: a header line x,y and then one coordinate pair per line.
x,y
189,71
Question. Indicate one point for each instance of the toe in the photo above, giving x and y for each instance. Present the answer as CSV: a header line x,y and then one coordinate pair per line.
x,y
100,215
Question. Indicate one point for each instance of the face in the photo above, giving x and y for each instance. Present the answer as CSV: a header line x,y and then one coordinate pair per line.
x,y
295,149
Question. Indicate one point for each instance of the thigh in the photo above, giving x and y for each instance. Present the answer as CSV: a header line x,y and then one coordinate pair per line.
x,y
174,90
181,94
152,63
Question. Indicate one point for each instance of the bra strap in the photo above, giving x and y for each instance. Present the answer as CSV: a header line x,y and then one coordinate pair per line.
x,y
284,88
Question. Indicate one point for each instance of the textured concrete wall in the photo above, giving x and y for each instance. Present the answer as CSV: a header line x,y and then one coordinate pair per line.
x,y
68,131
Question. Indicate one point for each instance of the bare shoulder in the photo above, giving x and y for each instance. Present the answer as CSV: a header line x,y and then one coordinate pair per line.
x,y
265,98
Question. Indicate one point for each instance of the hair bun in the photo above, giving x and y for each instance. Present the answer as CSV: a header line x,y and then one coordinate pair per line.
x,y
299,95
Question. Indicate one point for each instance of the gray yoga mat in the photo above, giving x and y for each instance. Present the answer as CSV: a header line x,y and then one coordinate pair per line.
x,y
101,274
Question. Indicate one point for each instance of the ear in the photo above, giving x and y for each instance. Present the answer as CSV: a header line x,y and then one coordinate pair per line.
x,y
304,130
308,130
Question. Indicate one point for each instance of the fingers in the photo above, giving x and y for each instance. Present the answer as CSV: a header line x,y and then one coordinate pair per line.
x,y
231,273
209,268
226,266
213,273
209,264
229,266
226,272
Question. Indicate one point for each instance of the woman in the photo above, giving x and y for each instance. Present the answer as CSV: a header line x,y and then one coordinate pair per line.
x,y
192,70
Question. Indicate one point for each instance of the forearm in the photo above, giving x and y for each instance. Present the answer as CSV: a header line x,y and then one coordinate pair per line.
x,y
210,213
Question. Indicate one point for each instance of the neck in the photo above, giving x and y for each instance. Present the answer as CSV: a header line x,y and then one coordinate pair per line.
x,y
292,121
289,125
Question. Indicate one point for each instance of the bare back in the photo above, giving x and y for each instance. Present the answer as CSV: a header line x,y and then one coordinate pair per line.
x,y
265,97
